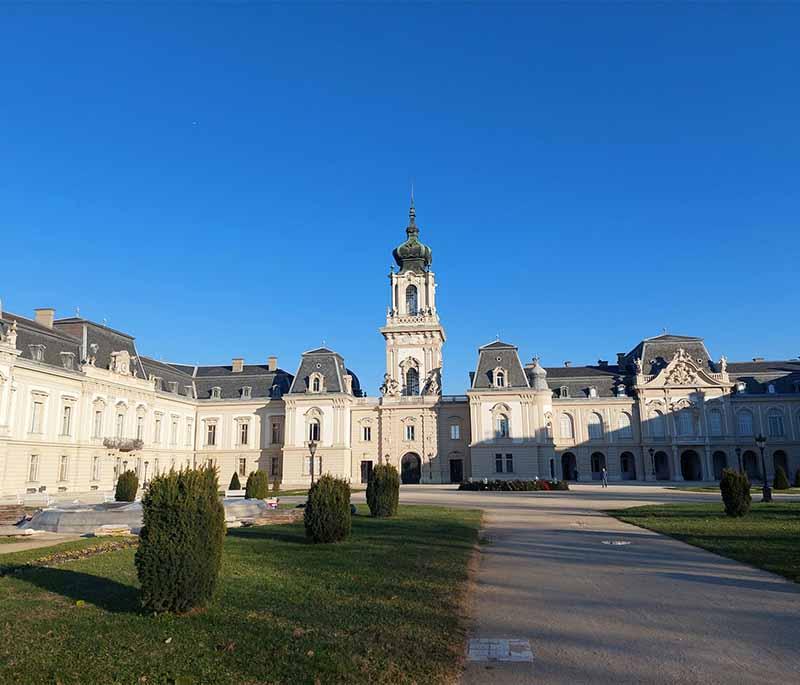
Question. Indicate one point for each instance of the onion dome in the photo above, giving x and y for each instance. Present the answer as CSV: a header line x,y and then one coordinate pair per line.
x,y
538,375
412,255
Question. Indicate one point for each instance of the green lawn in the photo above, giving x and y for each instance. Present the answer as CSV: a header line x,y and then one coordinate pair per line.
x,y
767,537
383,607
755,489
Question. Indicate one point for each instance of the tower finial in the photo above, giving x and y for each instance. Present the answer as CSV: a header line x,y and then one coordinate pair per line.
x,y
412,212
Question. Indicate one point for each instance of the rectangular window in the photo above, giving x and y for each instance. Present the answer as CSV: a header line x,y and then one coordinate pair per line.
x,y
140,427
189,433
317,465
211,434
510,463
96,468
775,423
274,466
157,437
242,466
455,432
98,423
173,435
36,417
715,422
366,471
33,468
367,433
410,432
276,433
120,425
62,469
66,421
498,463
244,429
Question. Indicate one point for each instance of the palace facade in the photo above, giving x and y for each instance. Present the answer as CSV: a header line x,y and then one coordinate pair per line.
x,y
79,404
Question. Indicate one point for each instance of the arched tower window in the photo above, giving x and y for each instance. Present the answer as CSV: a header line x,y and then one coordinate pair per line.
x,y
411,300
315,385
412,382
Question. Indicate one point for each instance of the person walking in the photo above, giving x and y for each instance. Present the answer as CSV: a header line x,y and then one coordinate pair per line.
x,y
605,477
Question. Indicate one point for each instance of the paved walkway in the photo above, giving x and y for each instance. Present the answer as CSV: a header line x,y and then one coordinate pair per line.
x,y
653,611
35,542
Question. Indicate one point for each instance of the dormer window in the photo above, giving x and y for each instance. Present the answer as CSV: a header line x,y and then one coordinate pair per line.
x,y
316,385
563,391
216,393
499,376
68,360
771,389
247,392
592,391
316,382
37,352
188,390
173,387
741,387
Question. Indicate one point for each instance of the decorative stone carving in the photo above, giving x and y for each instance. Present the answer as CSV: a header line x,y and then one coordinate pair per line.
x,y
123,444
432,385
390,387
121,363
638,363
723,364
10,336
91,359
682,374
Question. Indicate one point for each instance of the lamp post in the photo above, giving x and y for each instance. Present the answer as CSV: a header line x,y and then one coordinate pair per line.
x,y
652,453
738,451
312,449
766,490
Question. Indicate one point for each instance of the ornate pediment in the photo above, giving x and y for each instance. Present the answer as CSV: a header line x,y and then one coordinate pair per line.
x,y
683,371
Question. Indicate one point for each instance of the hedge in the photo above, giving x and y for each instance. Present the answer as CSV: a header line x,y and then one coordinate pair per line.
x,y
327,513
515,485
180,545
383,491
235,484
257,485
127,486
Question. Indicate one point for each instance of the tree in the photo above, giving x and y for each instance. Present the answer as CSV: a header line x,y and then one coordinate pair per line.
x,y
127,486
257,485
735,489
383,490
327,516
235,484
180,545
781,482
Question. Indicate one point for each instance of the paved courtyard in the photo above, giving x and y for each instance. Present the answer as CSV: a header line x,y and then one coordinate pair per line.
x,y
652,611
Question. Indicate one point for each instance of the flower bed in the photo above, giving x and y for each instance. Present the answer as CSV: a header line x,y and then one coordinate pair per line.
x,y
515,485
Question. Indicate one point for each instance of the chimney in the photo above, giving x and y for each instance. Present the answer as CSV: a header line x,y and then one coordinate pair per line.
x,y
45,316
567,364
237,365
272,363
602,363
620,358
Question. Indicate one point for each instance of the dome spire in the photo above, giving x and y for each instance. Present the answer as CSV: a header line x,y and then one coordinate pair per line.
x,y
412,255
412,212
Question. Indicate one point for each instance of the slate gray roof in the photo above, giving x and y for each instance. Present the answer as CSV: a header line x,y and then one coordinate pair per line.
x,y
263,382
757,376
503,355
332,367
29,332
168,373
578,380
658,351
107,339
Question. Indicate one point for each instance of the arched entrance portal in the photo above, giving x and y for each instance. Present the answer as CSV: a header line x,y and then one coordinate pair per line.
x,y
598,464
661,461
569,466
751,465
410,469
691,468
627,464
720,462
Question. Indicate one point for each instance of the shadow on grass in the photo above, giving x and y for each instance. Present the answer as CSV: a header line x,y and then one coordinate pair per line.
x,y
290,533
103,593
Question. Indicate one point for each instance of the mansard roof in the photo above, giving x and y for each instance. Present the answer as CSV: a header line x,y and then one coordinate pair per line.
x,y
758,375
658,351
169,373
503,355
107,339
332,367
29,332
578,380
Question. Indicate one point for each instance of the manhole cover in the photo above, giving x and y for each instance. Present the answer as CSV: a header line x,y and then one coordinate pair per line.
x,y
616,542
500,649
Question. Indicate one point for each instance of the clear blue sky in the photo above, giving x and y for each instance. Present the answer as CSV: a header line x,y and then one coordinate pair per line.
x,y
229,180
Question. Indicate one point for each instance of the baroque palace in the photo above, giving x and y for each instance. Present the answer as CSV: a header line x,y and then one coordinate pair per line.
x,y
78,405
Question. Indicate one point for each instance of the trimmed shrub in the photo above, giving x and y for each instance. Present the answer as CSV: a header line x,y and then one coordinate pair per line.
x,y
127,485
515,485
276,487
383,490
180,546
735,489
235,484
797,478
257,485
781,482
327,514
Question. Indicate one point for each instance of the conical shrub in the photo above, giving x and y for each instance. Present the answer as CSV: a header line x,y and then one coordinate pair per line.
x,y
383,491
235,484
735,489
127,486
781,482
327,516
180,546
257,485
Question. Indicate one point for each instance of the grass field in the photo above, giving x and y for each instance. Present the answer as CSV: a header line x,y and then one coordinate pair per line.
x,y
754,489
383,607
766,538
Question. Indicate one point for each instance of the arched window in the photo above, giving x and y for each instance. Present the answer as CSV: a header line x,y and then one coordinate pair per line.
x,y
566,427
313,430
657,424
315,386
624,425
411,300
595,426
500,379
412,382
744,422
501,426
715,422
685,422
775,425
